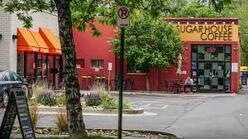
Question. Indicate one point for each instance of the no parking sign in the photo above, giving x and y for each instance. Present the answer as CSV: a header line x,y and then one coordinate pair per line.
x,y
123,16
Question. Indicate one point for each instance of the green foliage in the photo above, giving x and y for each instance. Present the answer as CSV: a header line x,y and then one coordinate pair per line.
x,y
48,101
61,100
92,99
196,9
126,106
107,101
241,13
151,43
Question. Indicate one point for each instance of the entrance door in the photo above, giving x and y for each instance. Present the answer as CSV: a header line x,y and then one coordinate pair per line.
x,y
211,76
211,66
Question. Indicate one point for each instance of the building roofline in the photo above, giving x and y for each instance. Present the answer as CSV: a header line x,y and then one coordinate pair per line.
x,y
197,19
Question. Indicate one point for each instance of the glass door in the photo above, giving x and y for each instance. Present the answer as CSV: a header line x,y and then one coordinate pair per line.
x,y
211,65
211,75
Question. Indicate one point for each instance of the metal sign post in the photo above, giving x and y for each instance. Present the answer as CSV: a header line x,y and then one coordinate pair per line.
x,y
122,22
109,70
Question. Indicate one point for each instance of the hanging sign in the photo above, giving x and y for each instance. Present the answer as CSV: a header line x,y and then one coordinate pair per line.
x,y
123,16
17,105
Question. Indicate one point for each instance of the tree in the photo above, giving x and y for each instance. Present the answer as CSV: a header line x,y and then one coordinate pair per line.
x,y
218,5
22,8
240,11
150,43
196,9
76,13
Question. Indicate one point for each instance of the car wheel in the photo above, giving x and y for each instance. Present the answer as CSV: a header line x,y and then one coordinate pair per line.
x,y
5,99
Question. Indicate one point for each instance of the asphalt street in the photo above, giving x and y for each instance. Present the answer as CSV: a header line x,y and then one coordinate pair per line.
x,y
197,116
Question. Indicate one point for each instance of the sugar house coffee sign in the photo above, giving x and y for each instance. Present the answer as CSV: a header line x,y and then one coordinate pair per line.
x,y
206,32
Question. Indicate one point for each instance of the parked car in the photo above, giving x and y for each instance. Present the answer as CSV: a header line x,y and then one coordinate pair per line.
x,y
9,79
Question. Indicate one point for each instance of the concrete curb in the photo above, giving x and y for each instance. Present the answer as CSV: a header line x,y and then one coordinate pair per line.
x,y
141,131
165,94
63,109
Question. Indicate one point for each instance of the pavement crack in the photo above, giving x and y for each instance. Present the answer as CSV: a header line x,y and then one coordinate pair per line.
x,y
185,111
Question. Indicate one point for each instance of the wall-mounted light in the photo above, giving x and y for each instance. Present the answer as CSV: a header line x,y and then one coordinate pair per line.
x,y
14,37
235,49
1,36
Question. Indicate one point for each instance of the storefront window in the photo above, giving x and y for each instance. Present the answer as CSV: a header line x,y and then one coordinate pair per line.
x,y
80,63
135,69
213,66
194,57
97,63
20,64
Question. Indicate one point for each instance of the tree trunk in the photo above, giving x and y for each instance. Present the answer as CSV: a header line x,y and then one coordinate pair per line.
x,y
74,108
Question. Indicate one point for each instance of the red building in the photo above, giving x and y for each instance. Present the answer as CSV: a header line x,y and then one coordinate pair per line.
x,y
95,57
211,57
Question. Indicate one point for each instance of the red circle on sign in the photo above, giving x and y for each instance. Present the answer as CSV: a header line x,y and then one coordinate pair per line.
x,y
123,13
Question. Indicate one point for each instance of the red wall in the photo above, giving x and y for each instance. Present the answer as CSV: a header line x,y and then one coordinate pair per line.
x,y
89,47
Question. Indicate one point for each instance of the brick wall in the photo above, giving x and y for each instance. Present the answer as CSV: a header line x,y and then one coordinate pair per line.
x,y
46,20
8,27
5,20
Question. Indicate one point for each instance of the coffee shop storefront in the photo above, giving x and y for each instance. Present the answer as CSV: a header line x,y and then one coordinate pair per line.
x,y
211,52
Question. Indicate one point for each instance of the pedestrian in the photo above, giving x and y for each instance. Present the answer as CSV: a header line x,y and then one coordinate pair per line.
x,y
188,84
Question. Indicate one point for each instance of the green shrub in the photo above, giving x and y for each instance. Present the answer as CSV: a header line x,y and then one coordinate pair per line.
x,y
92,99
48,102
107,101
126,105
61,100
47,99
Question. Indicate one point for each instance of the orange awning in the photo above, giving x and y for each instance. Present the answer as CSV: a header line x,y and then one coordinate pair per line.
x,y
51,40
26,41
43,48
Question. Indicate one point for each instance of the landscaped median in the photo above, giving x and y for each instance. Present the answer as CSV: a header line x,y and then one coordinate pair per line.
x,y
58,109
97,101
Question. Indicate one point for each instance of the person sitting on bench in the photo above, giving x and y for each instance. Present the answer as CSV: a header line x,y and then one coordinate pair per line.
x,y
188,84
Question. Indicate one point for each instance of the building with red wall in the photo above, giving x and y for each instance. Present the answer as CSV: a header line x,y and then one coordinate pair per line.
x,y
211,57
95,56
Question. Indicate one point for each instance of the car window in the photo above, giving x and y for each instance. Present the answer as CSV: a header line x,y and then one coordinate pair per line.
x,y
18,78
14,77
